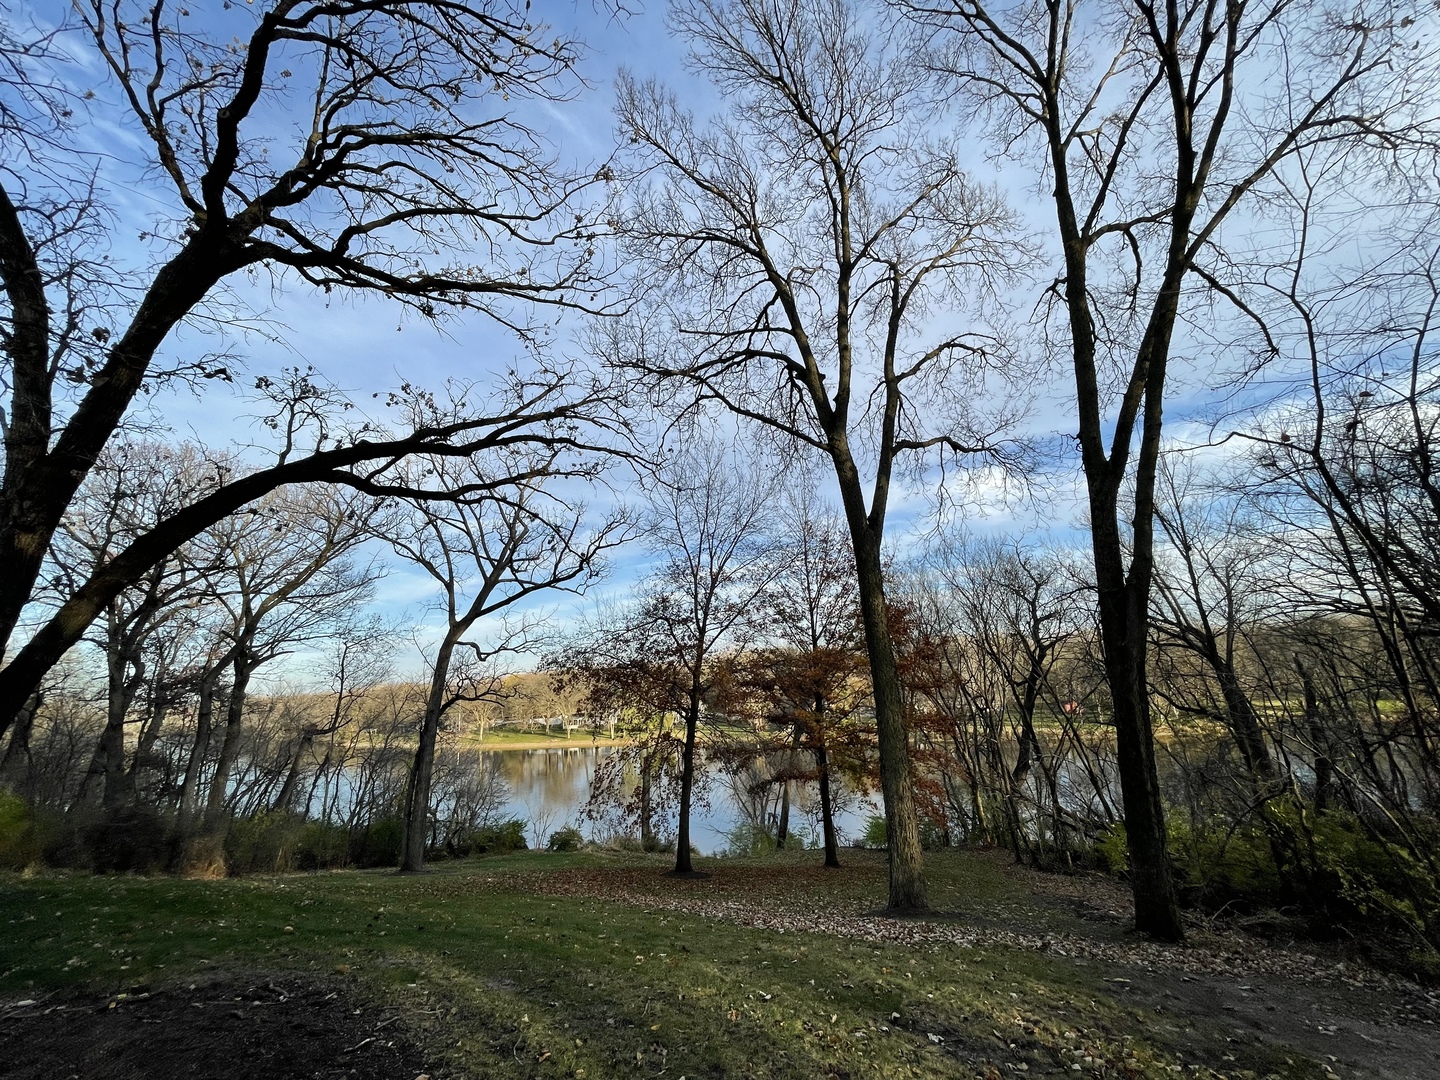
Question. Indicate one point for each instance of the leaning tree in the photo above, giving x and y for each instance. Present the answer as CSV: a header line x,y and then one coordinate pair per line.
x,y
369,148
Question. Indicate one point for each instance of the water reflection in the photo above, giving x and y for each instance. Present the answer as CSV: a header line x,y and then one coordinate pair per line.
x,y
549,789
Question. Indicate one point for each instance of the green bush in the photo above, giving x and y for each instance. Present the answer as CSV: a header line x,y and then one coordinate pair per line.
x,y
379,843
262,844
279,842
933,836
634,845
322,846
746,839
566,839
498,839
875,835
1290,870
19,846
135,839
1112,849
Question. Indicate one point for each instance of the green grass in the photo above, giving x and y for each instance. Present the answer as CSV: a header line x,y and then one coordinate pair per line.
x,y
504,980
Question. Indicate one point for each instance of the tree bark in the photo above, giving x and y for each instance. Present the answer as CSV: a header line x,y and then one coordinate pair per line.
x,y
902,830
41,479
15,767
292,776
827,809
422,771
243,667
683,864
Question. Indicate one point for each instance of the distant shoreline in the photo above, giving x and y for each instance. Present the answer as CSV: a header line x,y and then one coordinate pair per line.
x,y
527,741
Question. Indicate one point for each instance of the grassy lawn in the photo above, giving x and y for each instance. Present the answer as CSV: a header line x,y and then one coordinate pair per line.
x,y
496,977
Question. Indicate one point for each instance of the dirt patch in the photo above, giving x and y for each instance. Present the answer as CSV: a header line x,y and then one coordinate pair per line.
x,y
278,1028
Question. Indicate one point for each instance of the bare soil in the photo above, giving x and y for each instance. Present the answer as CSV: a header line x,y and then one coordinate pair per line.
x,y
229,1028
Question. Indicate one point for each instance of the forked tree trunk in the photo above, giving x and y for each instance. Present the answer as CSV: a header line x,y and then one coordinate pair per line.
x,y
204,717
229,744
292,775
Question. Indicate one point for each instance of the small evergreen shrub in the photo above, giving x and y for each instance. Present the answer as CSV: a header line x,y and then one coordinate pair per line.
x,y
566,839
875,834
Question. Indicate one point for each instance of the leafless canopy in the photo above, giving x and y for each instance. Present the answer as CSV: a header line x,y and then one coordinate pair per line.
x,y
808,252
361,146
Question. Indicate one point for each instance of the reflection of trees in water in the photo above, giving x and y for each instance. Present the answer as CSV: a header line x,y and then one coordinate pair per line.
x,y
549,777
467,794
765,790
551,788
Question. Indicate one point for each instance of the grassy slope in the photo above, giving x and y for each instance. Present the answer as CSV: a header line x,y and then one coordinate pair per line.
x,y
504,980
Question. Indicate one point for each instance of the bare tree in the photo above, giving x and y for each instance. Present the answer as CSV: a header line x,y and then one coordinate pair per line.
x,y
813,676
1207,593
705,525
357,658
1150,126
134,484
285,582
485,554
401,158
799,250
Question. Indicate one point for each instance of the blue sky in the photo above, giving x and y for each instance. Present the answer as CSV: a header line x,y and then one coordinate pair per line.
x,y
367,346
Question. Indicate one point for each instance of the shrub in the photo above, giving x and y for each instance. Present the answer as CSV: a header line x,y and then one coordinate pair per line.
x,y
262,844
1112,850
322,846
19,846
875,835
497,839
279,842
933,835
746,840
379,843
134,839
566,839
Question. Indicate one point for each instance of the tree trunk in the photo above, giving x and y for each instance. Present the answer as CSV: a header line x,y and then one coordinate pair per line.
x,y
827,809
149,736
782,824
1324,768
422,771
230,744
43,472
1157,910
107,764
204,716
1245,726
687,778
15,768
647,830
292,776
902,829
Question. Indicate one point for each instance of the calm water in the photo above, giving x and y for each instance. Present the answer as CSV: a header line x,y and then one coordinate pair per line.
x,y
549,789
